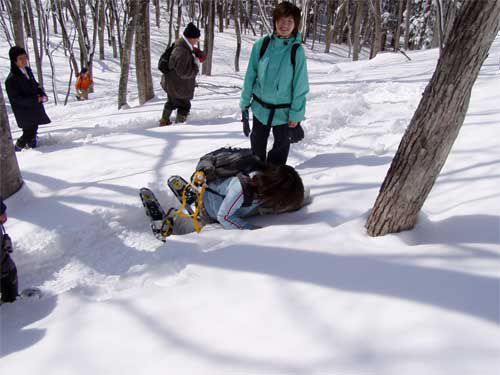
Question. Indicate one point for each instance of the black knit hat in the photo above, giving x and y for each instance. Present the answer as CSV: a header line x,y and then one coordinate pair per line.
x,y
191,31
14,52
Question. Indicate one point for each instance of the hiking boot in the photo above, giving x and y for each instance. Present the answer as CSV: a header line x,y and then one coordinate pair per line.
x,y
180,118
164,122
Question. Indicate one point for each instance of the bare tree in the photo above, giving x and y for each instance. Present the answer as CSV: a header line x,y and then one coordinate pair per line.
x,y
36,50
209,38
398,27
102,27
407,24
17,22
10,176
360,9
143,53
236,9
157,12
126,53
377,29
437,121
330,12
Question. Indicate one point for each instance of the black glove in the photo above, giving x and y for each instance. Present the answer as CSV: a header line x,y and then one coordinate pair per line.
x,y
296,134
246,123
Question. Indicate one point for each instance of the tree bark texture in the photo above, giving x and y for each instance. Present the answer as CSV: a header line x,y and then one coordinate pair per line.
x,y
17,23
437,121
360,6
10,176
209,38
126,53
407,24
377,30
36,49
238,35
143,54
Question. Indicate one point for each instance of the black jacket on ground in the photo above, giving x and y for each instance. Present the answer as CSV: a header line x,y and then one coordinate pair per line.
x,y
23,95
181,79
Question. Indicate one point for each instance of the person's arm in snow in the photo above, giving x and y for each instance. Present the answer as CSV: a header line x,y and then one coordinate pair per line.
x,y
300,88
232,202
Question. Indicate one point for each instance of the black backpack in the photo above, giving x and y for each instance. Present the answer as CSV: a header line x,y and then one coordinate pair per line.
x,y
228,162
164,59
8,270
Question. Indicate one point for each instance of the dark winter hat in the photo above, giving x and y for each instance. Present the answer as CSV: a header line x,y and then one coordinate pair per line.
x,y
191,31
16,51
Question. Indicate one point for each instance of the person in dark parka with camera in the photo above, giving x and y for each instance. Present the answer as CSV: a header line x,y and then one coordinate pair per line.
x,y
180,81
26,98
8,270
3,210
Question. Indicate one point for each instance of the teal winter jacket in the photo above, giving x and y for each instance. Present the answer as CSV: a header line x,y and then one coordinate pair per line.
x,y
272,79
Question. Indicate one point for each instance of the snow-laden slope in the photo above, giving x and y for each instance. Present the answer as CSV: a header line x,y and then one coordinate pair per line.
x,y
308,293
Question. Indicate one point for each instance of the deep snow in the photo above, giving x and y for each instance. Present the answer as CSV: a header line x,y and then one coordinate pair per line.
x,y
309,293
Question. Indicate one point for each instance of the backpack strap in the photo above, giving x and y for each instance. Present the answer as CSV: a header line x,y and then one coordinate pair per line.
x,y
295,47
264,46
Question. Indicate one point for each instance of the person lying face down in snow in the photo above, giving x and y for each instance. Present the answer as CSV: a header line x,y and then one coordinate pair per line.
x,y
228,201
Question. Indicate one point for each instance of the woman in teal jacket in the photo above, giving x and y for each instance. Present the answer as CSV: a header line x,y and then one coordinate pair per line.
x,y
276,85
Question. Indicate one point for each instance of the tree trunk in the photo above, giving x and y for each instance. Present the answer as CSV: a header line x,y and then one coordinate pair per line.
x,y
36,49
112,31
338,24
209,39
17,23
360,6
67,44
437,120
102,27
143,53
329,23
170,22
377,30
449,18
10,176
238,35
179,19
398,27
45,42
54,17
423,31
220,13
407,24
157,13
126,52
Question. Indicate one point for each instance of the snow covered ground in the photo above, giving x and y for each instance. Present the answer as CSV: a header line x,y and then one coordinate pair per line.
x,y
310,293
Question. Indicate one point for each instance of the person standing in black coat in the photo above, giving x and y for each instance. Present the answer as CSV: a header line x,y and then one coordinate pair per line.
x,y
26,98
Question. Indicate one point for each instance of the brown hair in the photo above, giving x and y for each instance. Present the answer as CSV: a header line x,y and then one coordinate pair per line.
x,y
287,9
279,187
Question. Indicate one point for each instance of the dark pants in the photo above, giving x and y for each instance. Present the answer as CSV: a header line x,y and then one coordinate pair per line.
x,y
183,107
281,146
28,138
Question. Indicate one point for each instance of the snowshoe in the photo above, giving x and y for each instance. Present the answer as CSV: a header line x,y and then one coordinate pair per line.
x,y
161,222
178,184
